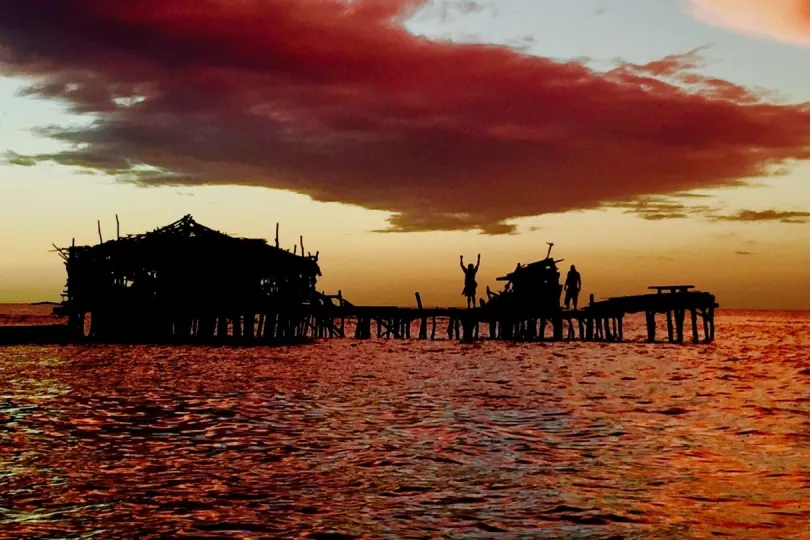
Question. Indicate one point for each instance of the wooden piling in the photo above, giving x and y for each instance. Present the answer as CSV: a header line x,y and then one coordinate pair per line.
x,y
679,319
557,328
422,318
695,336
670,330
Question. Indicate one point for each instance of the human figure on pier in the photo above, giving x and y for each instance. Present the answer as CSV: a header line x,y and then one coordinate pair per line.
x,y
573,284
470,285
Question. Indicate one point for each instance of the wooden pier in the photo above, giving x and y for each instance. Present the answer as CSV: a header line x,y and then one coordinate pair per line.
x,y
187,283
598,321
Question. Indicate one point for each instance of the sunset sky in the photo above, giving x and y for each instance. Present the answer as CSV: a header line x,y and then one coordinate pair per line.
x,y
651,141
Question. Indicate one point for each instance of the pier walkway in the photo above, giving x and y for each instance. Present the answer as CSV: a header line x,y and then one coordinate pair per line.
x,y
332,316
598,321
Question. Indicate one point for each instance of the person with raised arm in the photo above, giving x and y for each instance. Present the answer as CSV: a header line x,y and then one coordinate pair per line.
x,y
470,285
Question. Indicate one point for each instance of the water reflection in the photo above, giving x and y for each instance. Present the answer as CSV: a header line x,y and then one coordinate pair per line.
x,y
411,439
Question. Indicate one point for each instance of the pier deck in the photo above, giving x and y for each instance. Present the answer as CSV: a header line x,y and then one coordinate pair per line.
x,y
335,317
598,321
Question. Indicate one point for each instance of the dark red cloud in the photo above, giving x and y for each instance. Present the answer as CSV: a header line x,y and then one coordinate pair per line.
x,y
335,99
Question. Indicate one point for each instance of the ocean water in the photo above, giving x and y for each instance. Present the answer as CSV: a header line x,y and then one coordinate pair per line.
x,y
393,439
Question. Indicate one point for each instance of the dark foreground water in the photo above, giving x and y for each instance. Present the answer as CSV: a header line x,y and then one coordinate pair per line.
x,y
412,440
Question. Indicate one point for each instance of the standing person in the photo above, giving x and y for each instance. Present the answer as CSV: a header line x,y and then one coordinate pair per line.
x,y
470,285
573,284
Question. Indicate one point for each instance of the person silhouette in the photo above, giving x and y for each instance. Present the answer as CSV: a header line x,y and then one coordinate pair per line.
x,y
470,285
573,284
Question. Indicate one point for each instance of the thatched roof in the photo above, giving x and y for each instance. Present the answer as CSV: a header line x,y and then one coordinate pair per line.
x,y
186,242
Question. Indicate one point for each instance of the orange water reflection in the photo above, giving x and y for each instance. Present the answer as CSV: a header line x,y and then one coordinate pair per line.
x,y
412,439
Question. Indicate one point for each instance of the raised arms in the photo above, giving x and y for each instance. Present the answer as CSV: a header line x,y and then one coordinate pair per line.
x,y
464,269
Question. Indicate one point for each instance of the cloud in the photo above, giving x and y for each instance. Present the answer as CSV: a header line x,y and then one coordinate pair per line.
x,y
753,216
743,253
784,20
659,208
13,158
336,100
678,206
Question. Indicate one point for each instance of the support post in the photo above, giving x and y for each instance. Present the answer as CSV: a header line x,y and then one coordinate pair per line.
x,y
423,318
670,331
705,316
250,321
222,328
695,336
237,327
468,328
679,317
650,315
558,328
342,314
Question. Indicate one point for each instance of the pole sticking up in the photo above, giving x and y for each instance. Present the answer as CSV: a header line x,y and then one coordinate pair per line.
x,y
277,235
117,228
302,246
100,239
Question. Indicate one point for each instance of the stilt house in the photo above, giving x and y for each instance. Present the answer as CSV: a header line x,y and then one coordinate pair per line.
x,y
186,281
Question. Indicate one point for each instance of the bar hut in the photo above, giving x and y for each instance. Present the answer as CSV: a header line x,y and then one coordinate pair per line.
x,y
531,295
186,282
533,288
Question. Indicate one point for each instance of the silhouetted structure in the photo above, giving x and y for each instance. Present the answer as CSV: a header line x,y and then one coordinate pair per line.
x,y
530,302
187,282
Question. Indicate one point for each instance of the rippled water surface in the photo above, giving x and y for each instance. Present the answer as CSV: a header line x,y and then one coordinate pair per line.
x,y
412,439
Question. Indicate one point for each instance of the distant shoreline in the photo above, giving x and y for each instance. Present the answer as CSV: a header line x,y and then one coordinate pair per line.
x,y
44,303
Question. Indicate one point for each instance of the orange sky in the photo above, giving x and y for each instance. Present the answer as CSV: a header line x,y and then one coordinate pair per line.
x,y
658,167
617,253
